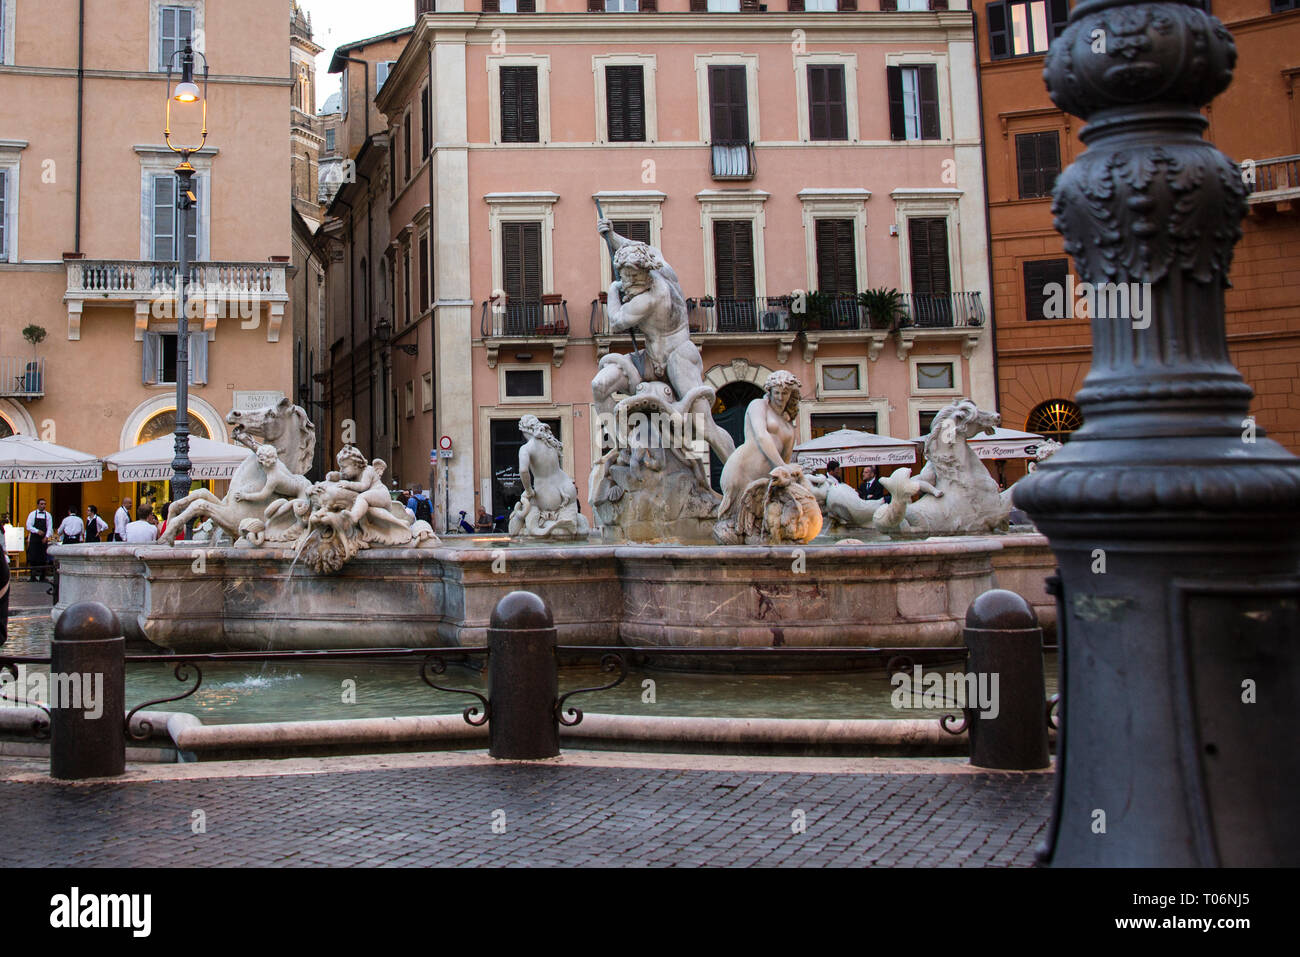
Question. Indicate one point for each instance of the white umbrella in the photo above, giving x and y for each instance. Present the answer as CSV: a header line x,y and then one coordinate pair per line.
x,y
153,460
24,458
1003,444
852,447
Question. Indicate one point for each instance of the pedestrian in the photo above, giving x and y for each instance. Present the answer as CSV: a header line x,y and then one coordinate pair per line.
x,y
871,487
72,530
143,530
833,470
484,521
420,505
95,526
121,519
39,525
4,597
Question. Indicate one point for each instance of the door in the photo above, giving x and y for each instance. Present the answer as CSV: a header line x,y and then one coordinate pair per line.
x,y
931,282
506,441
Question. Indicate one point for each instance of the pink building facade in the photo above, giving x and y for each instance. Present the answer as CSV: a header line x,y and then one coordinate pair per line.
x,y
769,155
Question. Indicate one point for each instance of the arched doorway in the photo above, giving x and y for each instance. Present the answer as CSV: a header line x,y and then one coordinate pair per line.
x,y
160,424
1055,419
729,412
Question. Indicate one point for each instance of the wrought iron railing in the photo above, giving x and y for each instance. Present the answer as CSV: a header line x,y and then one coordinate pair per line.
x,y
751,314
942,311
547,318
1280,172
21,377
732,160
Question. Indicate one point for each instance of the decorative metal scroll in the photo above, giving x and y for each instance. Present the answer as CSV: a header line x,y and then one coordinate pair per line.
x,y
609,663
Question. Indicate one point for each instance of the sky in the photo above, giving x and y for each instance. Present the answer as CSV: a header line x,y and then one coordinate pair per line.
x,y
335,22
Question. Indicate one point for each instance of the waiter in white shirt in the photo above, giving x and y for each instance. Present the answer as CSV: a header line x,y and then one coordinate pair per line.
x,y
142,531
72,530
121,519
39,525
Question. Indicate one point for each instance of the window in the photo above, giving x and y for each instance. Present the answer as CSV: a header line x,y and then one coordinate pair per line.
x,y
164,246
913,102
406,148
928,248
175,29
159,358
728,104
1055,419
1038,163
625,103
519,115
330,138
426,392
926,419
837,268
6,31
935,375
1025,27
521,260
4,213
1281,6
733,265
509,6
841,378
621,6
827,105
406,286
424,273
820,6
722,6
409,392
525,383
1040,276
382,69
426,123
637,230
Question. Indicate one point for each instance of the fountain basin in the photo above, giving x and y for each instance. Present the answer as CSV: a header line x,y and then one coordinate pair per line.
x,y
195,599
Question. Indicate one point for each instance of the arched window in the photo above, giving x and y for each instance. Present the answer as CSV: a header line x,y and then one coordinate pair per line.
x,y
164,423
6,429
1055,419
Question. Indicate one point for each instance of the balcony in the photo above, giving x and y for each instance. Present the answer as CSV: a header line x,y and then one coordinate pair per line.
x,y
1276,183
21,377
957,315
524,323
224,288
732,160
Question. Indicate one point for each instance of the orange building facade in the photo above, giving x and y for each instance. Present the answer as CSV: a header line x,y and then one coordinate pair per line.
x,y
1042,360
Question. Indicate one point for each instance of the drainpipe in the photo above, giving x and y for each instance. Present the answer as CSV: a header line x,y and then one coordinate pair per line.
x,y
81,94
433,312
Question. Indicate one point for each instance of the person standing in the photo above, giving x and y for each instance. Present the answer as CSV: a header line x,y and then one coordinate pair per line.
x,y
4,598
419,505
95,526
121,519
833,470
871,487
39,525
143,530
72,530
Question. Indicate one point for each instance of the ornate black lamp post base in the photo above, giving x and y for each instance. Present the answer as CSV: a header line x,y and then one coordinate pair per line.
x,y
1176,524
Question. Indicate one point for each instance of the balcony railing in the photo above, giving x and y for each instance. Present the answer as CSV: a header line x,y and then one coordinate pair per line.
x,y
945,311
757,314
133,280
544,318
732,160
22,378
1279,173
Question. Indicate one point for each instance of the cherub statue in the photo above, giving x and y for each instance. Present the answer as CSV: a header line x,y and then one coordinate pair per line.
x,y
279,481
358,488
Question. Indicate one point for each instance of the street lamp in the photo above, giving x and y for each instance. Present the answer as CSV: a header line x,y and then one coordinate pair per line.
x,y
185,92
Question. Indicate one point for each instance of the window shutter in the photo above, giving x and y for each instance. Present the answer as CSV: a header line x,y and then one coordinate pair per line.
x,y
532,261
889,6
1049,159
625,103
426,123
836,259
1027,165
749,4
192,220
4,182
424,273
927,77
940,4
1058,15
724,257
149,358
729,104
827,107
528,119
843,5
164,217
928,245
648,6
894,83
699,6
525,6
795,6
733,249
491,6
637,230
509,104
198,358
1038,274
595,6
406,148
999,39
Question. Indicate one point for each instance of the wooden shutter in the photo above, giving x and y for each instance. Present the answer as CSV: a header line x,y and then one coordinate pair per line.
x,y
836,257
406,148
889,6
519,121
648,6
1038,163
733,251
150,347
525,6
175,27
928,245
491,6
728,104
521,258
4,182
938,4
1038,275
843,5
749,4
595,6
699,6
999,36
637,230
927,81
426,123
199,358
1058,17
827,108
625,103
424,273
795,6
897,122
164,217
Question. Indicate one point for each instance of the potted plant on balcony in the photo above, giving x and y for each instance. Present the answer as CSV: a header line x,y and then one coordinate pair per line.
x,y
32,374
884,307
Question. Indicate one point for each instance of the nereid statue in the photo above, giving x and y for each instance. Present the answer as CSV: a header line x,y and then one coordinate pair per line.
x,y
549,506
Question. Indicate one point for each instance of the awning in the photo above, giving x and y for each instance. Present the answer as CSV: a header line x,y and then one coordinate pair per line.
x,y
24,458
153,460
1003,444
851,447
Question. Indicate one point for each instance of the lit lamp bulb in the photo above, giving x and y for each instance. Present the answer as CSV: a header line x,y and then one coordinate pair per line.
x,y
186,92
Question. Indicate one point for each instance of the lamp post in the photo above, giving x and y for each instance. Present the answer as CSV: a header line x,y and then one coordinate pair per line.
x,y
185,92
1176,524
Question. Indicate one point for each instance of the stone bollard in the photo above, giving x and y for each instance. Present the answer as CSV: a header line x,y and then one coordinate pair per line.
x,y
1004,639
87,694
523,679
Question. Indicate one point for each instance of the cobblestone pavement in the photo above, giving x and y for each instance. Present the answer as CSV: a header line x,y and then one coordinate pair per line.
x,y
531,815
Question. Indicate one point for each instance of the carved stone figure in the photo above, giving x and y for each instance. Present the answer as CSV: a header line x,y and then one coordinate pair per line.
x,y
654,409
959,496
549,506
284,426
840,502
765,498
